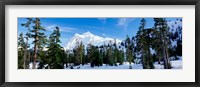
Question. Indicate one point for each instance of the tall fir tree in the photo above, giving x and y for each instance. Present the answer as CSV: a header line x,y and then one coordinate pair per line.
x,y
148,60
55,51
35,33
129,44
28,35
21,48
162,27
116,53
140,42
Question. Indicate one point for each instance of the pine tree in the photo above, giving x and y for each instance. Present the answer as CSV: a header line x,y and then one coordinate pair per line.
x,y
81,53
156,44
55,51
144,42
129,50
21,48
179,41
27,25
147,33
176,50
140,42
101,57
179,47
110,56
120,56
91,54
96,56
42,54
77,54
116,53
35,33
162,27
66,58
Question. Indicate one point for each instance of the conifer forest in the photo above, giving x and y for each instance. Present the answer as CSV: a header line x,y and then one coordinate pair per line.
x,y
99,43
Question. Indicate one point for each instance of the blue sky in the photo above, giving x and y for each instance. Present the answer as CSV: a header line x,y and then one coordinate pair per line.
x,y
105,27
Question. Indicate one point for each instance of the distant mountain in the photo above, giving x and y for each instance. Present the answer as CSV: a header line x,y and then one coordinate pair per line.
x,y
87,38
175,26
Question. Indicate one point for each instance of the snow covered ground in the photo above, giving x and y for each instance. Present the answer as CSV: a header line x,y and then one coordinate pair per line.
x,y
176,64
124,66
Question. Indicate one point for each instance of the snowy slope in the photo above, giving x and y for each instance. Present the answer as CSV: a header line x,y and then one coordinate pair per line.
x,y
173,26
176,64
87,38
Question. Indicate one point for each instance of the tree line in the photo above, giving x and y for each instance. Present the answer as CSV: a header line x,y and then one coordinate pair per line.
x,y
150,45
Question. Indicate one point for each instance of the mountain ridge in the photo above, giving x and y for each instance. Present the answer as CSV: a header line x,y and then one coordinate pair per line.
x,y
87,38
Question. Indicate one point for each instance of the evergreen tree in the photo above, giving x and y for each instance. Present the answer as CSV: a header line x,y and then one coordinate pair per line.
x,y
120,56
55,51
35,33
140,42
162,27
27,25
179,41
129,50
179,47
90,54
116,53
101,57
156,45
42,51
144,43
21,48
110,54
105,59
96,56
79,53
148,60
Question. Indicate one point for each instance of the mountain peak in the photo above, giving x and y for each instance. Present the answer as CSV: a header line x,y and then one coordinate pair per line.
x,y
87,34
87,38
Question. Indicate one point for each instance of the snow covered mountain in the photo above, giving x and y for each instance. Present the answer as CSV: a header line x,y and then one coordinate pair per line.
x,y
87,38
175,26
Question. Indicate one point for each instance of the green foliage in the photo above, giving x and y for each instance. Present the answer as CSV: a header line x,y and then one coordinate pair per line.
x,y
110,55
55,51
144,41
21,48
163,29
36,33
120,56
131,49
129,44
79,54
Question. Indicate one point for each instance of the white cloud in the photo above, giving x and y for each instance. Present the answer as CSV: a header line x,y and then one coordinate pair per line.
x,y
124,22
103,20
62,29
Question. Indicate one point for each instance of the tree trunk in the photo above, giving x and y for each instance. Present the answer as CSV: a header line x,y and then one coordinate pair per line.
x,y
149,54
35,56
158,60
164,52
143,61
35,46
167,57
25,53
